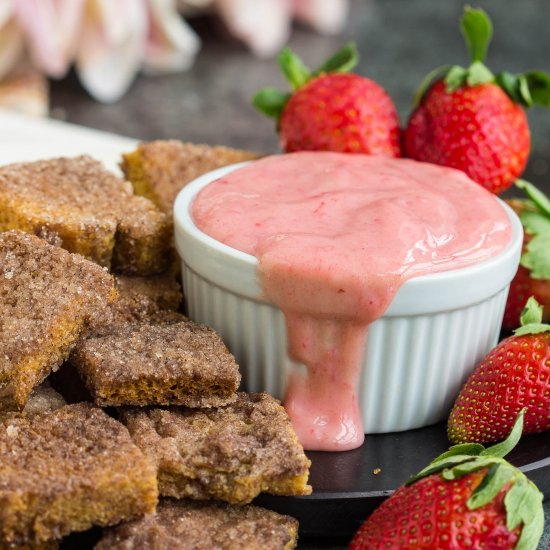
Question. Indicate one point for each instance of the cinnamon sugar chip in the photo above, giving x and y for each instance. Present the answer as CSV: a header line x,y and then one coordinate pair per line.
x,y
141,296
158,170
169,362
204,526
67,470
47,298
76,203
231,453
139,299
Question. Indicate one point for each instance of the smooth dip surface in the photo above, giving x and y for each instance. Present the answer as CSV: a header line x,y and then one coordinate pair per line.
x,y
335,236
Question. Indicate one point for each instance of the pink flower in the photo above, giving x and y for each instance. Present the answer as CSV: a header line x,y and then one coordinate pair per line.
x,y
11,38
110,40
51,29
264,25
326,16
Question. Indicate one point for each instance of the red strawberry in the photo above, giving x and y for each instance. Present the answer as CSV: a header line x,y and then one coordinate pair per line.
x,y
331,109
471,119
476,129
513,376
533,276
469,497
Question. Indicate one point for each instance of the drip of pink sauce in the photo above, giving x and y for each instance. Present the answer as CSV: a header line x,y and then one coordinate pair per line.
x,y
335,236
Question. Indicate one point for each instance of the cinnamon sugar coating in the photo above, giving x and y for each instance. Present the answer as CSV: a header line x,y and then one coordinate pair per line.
x,y
139,299
179,525
47,298
76,203
170,362
159,170
67,470
230,453
166,317
47,545
141,296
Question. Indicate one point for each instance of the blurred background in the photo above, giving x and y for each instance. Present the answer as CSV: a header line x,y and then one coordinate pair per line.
x,y
229,48
187,69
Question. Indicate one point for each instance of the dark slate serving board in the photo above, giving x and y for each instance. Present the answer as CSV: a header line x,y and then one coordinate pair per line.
x,y
346,490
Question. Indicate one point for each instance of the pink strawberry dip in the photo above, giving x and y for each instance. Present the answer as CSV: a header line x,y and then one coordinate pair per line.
x,y
335,236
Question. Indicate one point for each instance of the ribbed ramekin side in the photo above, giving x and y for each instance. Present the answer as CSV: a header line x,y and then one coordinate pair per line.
x,y
438,352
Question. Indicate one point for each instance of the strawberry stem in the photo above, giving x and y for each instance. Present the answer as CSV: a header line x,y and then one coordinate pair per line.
x,y
478,31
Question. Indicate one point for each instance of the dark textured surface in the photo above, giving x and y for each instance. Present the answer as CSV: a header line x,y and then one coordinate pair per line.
x,y
399,41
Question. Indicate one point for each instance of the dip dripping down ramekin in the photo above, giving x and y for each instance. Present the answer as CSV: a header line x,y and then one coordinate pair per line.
x,y
418,354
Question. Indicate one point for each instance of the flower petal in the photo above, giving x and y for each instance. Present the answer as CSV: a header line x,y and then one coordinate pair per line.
x,y
171,44
326,16
111,47
264,25
52,29
6,11
11,46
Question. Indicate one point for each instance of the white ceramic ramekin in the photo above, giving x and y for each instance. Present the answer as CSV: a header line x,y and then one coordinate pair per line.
x,y
418,354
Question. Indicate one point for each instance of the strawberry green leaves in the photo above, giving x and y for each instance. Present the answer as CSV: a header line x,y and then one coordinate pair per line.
x,y
531,319
541,201
477,29
523,504
527,89
504,447
516,86
536,221
343,61
532,313
272,102
536,258
538,83
523,501
495,480
293,68
472,453
477,73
